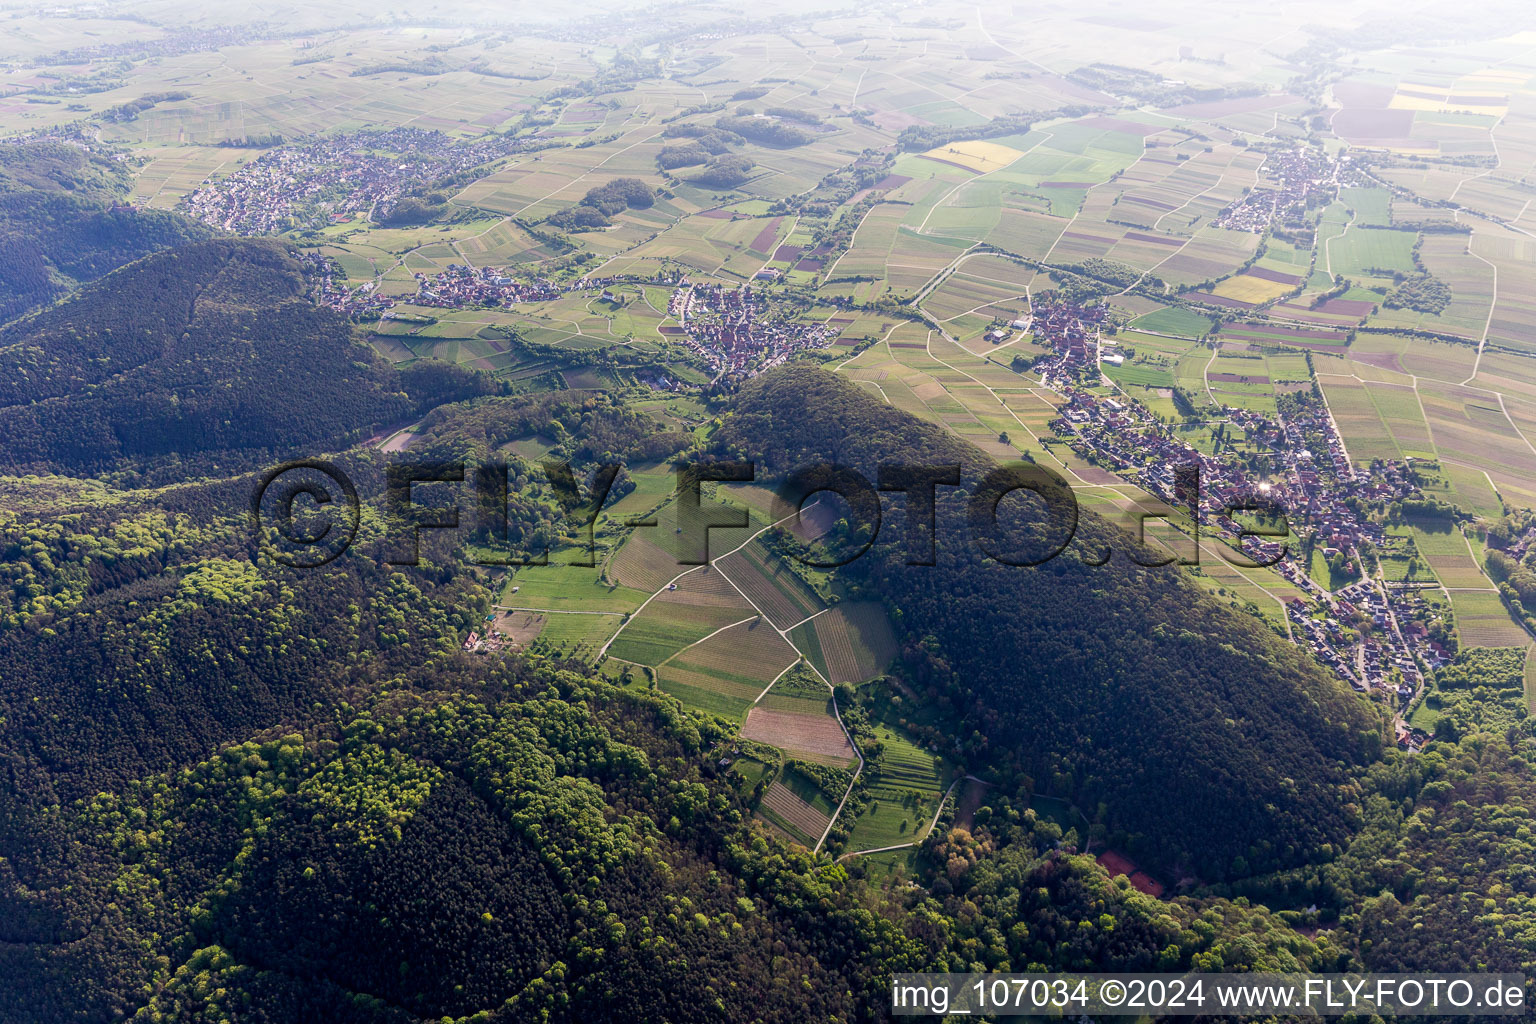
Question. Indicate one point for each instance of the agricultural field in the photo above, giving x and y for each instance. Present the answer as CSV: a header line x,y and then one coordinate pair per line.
x,y
577,635
1530,678
1212,253
985,287
1174,320
981,157
562,587
1371,253
1473,428
1371,207
789,811
1377,421
770,585
1450,557
701,604
1314,339
848,643
1448,362
1255,288
651,557
727,672
809,736
905,786
796,716
1483,621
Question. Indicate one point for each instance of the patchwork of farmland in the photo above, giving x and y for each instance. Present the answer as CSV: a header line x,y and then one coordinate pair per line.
x,y
965,231
732,668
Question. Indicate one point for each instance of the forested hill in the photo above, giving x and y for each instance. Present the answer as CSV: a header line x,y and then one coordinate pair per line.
x,y
208,349
61,225
233,791
1209,744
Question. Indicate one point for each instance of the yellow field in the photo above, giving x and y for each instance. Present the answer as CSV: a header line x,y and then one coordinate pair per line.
x,y
1496,75
1244,288
978,156
1451,103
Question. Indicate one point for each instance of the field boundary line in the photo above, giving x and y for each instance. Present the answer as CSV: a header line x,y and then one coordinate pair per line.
x,y
923,227
722,629
808,618
637,611
696,568
1493,303
548,611
776,680
837,714
928,349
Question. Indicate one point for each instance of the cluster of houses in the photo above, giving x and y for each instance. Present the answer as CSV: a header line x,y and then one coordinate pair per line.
x,y
1376,636
489,642
1312,492
1520,544
333,178
329,288
1118,434
1071,330
1305,178
459,286
738,332
456,287
174,42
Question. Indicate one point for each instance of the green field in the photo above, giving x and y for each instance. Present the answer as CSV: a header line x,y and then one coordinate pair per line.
x,y
1372,206
1372,252
567,588
662,629
1175,320
905,784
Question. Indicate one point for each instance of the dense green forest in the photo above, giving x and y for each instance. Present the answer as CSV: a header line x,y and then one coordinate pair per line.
x,y
209,349
60,223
